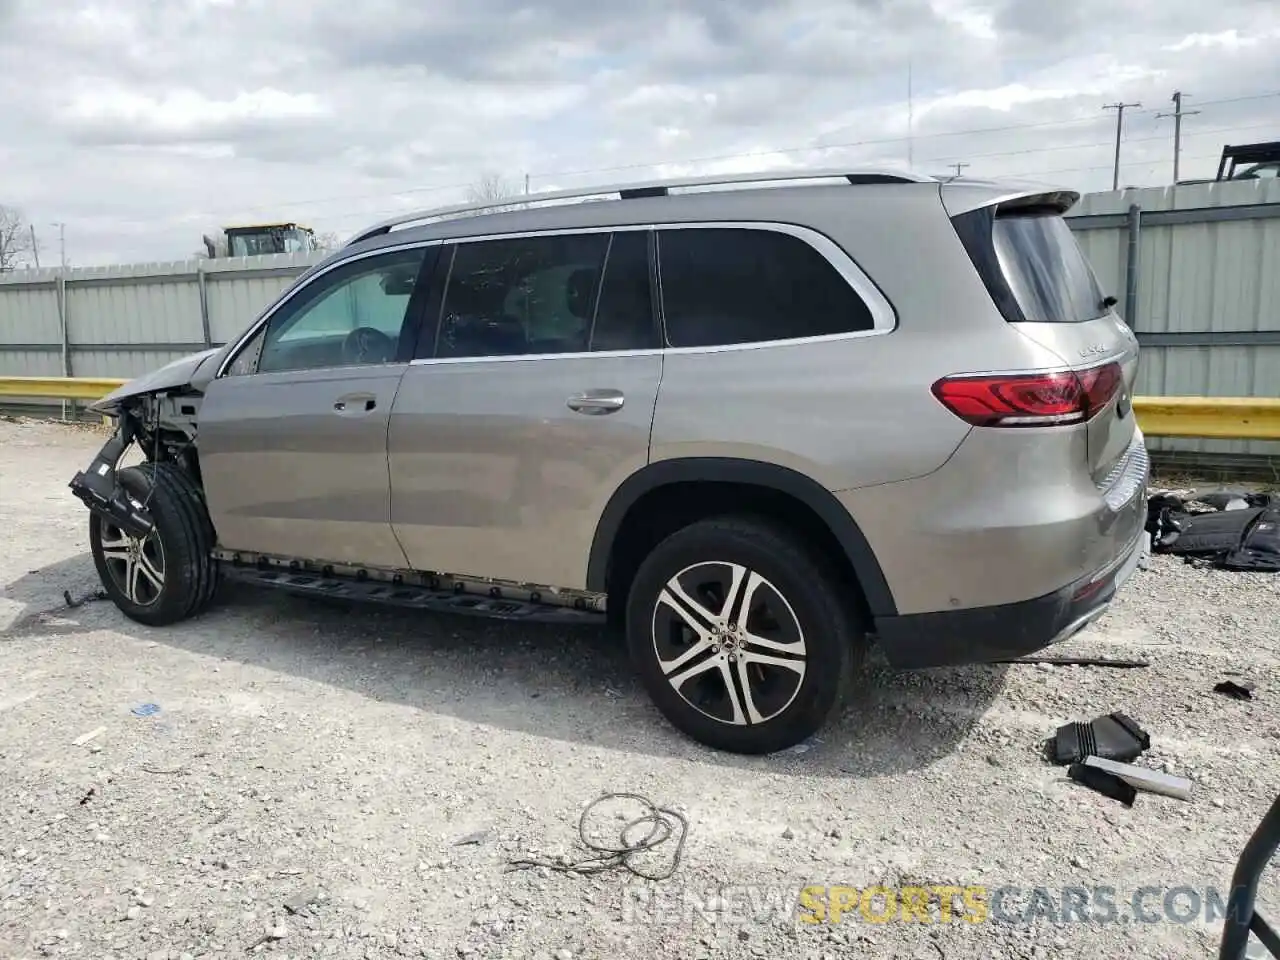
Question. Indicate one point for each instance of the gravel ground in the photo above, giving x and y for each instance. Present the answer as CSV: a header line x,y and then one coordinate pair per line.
x,y
302,790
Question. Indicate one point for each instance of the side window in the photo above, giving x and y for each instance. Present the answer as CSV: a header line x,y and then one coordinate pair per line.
x,y
523,295
734,285
624,316
353,315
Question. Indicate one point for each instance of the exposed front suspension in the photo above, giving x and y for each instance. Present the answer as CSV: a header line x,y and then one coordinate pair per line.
x,y
101,492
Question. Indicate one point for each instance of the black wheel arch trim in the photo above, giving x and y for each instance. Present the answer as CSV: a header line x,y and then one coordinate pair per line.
x,y
757,473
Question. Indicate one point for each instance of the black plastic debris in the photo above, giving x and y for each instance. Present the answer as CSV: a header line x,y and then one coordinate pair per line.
x,y
1232,531
1113,737
1081,662
1107,784
1236,691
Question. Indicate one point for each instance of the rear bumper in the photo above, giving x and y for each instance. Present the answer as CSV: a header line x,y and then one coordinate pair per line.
x,y
986,634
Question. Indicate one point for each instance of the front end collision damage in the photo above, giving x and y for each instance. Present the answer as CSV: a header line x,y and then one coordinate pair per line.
x,y
158,411
99,490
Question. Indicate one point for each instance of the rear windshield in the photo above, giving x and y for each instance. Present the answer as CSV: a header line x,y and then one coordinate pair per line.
x,y
1044,265
1032,265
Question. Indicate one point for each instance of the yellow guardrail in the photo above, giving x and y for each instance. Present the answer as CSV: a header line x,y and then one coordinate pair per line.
x,y
1223,418
1220,418
58,388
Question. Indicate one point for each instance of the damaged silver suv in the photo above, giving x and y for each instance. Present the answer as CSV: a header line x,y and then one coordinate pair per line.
x,y
759,421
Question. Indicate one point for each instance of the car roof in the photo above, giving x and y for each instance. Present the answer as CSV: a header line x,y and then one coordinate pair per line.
x,y
722,197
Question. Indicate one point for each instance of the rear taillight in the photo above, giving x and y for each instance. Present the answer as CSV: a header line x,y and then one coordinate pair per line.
x,y
1030,399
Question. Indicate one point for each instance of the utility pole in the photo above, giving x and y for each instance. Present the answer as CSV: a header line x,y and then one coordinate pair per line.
x,y
1119,108
35,245
911,118
959,167
1178,114
526,184
62,242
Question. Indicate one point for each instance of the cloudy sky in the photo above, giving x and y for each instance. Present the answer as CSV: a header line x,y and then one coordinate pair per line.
x,y
141,124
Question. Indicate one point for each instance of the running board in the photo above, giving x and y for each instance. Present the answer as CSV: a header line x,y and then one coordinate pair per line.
x,y
408,596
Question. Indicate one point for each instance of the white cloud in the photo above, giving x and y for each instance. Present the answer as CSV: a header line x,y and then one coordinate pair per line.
x,y
142,124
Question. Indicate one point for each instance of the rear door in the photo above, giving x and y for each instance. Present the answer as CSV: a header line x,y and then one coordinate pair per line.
x,y
531,401
1047,290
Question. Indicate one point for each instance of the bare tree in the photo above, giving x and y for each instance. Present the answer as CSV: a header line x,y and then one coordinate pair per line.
x,y
491,190
328,240
17,242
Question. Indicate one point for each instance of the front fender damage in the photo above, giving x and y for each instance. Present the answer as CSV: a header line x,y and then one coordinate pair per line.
x,y
163,424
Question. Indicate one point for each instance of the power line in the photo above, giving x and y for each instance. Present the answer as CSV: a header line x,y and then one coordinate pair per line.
x,y
811,147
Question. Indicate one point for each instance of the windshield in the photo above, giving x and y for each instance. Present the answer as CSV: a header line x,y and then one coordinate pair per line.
x,y
1047,272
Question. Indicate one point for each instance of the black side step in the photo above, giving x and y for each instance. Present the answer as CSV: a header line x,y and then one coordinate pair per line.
x,y
408,595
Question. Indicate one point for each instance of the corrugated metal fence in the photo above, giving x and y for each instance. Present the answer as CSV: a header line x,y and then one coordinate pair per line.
x,y
121,321
1203,296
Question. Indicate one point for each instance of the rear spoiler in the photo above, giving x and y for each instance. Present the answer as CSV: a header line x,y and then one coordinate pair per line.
x,y
965,196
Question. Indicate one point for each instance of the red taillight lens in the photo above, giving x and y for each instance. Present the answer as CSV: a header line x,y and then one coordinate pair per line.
x,y
1032,399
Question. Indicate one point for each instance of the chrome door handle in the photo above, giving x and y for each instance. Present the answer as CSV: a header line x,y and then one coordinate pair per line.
x,y
596,402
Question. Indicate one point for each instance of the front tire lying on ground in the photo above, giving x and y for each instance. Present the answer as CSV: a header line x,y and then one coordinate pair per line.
x,y
170,575
741,636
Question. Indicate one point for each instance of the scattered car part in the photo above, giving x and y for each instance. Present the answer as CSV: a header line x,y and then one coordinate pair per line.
x,y
1082,662
1237,691
1144,779
1240,531
1242,915
1107,784
1113,737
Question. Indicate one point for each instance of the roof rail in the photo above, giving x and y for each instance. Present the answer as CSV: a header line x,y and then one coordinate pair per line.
x,y
650,188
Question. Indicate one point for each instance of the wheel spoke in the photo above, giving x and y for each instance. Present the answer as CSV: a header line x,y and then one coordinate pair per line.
x,y
131,576
753,715
731,691
678,680
796,665
793,649
688,609
735,594
116,549
741,594
150,571
696,650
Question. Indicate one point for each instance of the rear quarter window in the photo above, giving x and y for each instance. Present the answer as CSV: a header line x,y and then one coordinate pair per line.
x,y
733,285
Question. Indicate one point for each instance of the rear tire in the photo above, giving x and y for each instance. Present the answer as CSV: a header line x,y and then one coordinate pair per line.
x,y
170,575
741,636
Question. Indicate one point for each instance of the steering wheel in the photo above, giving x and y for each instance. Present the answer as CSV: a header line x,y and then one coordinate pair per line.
x,y
367,345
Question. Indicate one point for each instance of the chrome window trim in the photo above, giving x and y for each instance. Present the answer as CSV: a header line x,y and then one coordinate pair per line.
x,y
883,316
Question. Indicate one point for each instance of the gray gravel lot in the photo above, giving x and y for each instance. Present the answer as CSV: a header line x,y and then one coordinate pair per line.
x,y
336,755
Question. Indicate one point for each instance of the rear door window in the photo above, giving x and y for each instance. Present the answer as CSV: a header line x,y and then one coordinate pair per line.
x,y
1046,271
732,285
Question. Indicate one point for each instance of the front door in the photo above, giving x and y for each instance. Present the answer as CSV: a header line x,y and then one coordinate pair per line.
x,y
292,438
527,408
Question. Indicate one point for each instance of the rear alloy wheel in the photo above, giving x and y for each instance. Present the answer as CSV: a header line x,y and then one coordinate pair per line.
x,y
168,575
741,636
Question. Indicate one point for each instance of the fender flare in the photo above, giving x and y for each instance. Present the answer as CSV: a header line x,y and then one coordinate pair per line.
x,y
753,473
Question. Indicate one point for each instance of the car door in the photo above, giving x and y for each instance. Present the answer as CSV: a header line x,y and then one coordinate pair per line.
x,y
529,406
292,437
